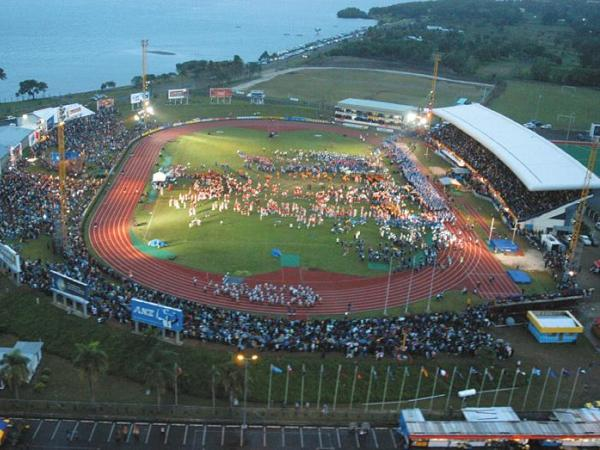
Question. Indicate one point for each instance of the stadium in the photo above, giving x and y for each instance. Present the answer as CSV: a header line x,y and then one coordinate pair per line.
x,y
351,264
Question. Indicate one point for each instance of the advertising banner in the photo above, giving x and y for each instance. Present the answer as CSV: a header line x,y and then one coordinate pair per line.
x,y
65,285
105,103
10,258
221,92
177,94
159,316
139,97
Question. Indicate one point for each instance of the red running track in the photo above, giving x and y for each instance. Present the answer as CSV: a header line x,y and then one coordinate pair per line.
x,y
112,220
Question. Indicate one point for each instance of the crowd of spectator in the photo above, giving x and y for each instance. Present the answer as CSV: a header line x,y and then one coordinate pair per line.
x,y
493,176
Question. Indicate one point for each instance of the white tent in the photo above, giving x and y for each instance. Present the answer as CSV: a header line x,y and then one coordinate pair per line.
x,y
159,177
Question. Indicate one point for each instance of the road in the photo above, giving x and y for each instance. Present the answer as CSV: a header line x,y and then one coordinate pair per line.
x,y
270,74
54,434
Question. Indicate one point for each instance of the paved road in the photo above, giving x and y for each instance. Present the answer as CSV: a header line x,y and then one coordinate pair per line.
x,y
54,434
268,75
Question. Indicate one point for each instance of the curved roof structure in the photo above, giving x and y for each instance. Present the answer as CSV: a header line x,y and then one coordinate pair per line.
x,y
537,162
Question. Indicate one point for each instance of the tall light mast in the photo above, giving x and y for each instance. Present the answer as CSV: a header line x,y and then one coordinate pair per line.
x,y
437,57
144,63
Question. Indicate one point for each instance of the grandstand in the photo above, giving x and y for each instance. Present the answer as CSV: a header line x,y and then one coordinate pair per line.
x,y
371,112
532,181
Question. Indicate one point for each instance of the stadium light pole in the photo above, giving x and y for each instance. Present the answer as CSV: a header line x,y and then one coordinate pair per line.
x,y
245,360
387,292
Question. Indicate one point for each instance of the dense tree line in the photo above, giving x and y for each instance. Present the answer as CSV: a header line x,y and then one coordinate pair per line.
x,y
472,33
220,71
352,13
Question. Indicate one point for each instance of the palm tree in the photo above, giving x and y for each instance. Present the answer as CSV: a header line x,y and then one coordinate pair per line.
x,y
92,362
14,370
2,74
231,381
158,370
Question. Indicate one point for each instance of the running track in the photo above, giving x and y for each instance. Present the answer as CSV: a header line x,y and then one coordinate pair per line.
x,y
112,221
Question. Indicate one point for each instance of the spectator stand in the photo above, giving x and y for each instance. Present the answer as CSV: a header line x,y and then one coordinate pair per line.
x,y
69,294
10,263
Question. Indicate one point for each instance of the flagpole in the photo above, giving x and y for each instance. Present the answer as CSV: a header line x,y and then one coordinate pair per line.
x,y
369,389
527,390
574,386
467,386
353,386
302,387
544,388
385,386
270,385
337,385
402,387
450,389
562,370
287,385
320,386
498,386
418,388
512,390
485,372
437,371
214,400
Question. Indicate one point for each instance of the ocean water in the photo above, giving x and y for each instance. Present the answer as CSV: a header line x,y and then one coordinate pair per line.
x,y
75,45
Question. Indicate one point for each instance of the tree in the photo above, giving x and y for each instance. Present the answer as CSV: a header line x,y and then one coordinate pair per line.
x,y
159,369
108,85
14,370
31,88
231,381
2,74
92,362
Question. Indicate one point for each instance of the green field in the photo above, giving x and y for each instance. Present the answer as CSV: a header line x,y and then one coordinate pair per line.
x,y
520,102
332,85
230,242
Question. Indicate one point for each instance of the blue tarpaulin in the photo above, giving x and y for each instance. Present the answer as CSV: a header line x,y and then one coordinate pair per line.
x,y
276,253
519,277
504,245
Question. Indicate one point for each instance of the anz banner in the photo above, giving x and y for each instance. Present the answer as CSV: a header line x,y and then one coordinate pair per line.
x,y
62,284
159,316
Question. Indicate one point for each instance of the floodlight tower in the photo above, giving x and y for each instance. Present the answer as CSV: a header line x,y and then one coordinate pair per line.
x,y
437,57
574,252
62,177
145,103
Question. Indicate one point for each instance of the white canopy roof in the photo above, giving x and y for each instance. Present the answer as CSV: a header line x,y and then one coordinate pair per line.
x,y
537,162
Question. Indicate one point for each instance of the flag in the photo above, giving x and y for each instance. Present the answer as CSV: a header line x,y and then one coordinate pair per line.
x,y
425,372
444,373
276,369
537,372
289,368
374,373
553,374
566,373
460,375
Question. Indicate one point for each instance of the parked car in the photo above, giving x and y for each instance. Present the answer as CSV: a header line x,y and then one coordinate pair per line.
x,y
585,239
597,225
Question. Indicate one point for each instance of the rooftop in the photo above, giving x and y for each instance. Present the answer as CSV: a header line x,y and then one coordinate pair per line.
x,y
537,162
11,136
377,106
554,321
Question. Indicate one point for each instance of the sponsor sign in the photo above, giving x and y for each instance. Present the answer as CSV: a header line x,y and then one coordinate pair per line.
x,y
159,316
65,285
138,97
10,258
74,112
105,103
177,94
221,93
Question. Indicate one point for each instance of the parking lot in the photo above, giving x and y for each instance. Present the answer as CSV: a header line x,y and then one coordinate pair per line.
x,y
87,434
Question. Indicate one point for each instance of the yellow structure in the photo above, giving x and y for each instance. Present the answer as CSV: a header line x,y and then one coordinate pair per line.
x,y
554,326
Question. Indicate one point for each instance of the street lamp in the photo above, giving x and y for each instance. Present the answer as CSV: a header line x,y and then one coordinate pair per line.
x,y
243,359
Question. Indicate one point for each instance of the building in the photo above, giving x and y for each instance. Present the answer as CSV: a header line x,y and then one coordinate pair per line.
x,y
541,166
500,427
554,327
13,140
31,350
375,113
